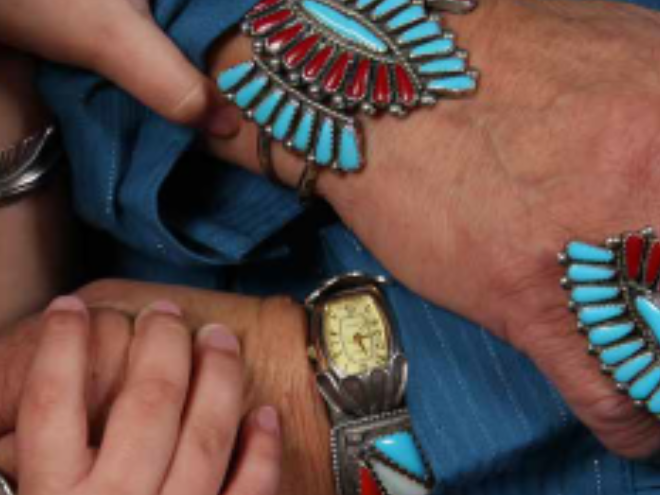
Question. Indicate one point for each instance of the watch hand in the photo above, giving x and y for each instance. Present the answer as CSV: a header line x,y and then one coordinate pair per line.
x,y
358,338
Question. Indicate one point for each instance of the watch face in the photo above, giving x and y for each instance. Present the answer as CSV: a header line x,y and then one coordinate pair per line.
x,y
356,334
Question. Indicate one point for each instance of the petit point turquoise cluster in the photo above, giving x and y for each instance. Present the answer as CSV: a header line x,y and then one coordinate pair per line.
x,y
614,290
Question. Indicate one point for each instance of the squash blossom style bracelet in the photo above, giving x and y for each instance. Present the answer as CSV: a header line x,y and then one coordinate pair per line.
x,y
318,64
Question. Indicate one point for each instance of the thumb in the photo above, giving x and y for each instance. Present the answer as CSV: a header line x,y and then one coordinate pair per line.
x,y
137,55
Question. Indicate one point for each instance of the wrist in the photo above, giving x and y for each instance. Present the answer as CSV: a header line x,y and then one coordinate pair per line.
x,y
280,374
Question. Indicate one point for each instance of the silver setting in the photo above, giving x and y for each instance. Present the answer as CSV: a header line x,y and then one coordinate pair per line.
x,y
25,167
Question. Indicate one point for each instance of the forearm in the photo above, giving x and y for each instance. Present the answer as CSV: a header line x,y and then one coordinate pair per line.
x,y
35,231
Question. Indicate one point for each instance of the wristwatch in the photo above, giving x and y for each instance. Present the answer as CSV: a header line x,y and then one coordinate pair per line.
x,y
25,166
362,375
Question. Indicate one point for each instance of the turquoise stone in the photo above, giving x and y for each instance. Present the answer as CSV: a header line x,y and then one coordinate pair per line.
x,y
586,294
325,145
232,77
651,315
626,372
616,354
419,32
654,403
453,84
303,137
349,150
388,6
589,273
401,448
433,48
267,107
247,94
608,334
345,26
284,120
579,251
645,385
443,66
593,315
405,17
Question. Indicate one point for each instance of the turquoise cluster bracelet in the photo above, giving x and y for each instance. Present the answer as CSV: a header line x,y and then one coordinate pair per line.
x,y
318,64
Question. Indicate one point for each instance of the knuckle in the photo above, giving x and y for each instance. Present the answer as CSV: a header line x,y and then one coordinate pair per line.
x,y
154,321
190,105
211,436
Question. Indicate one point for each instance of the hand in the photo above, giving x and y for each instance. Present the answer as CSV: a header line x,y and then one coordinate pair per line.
x,y
273,346
120,40
560,143
171,429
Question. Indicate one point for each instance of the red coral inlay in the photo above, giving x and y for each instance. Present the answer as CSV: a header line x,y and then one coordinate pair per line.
x,y
317,63
297,54
382,89
360,83
279,40
264,5
404,86
634,252
266,23
368,484
337,73
653,263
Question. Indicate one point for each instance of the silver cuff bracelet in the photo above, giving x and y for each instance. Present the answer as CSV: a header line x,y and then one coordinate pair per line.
x,y
25,166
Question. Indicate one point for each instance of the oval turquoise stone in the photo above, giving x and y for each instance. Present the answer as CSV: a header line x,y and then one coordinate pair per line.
x,y
345,26
303,137
232,77
608,334
284,120
325,143
616,354
349,150
590,273
644,386
593,315
626,372
650,314
586,294
654,403
580,251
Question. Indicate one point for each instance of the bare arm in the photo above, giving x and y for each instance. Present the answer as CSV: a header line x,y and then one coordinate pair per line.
x,y
35,232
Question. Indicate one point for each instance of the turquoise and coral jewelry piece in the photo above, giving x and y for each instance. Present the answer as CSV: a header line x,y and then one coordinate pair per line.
x,y
317,64
615,292
362,374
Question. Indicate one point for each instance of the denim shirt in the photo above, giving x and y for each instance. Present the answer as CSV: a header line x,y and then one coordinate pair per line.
x,y
488,421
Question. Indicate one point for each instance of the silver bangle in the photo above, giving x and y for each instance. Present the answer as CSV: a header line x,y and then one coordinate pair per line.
x,y
25,166
5,486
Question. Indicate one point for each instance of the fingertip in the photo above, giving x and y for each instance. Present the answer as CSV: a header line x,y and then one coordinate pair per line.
x,y
268,420
220,338
67,304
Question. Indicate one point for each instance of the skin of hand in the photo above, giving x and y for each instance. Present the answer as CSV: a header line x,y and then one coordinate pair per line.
x,y
560,143
173,427
120,40
37,241
272,334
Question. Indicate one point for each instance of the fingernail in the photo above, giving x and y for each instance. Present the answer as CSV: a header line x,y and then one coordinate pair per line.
x,y
224,121
219,337
164,307
268,420
69,304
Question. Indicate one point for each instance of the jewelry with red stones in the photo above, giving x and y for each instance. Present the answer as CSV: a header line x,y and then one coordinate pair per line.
x,y
317,64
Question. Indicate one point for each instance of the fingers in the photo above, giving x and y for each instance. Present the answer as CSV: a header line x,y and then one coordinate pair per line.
x,y
560,352
53,409
144,422
258,467
136,54
212,418
121,40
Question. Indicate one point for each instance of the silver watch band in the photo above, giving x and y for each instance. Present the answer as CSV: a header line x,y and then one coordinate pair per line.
x,y
24,167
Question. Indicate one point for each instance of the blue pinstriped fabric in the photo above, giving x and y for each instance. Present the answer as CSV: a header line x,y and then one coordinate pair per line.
x,y
489,422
